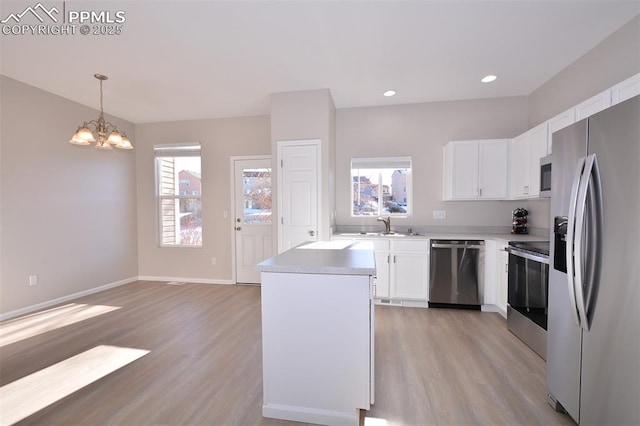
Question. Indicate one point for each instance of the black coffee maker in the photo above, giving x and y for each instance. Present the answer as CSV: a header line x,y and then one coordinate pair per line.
x,y
519,225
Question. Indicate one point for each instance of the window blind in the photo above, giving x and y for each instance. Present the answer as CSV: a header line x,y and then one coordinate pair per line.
x,y
381,163
177,150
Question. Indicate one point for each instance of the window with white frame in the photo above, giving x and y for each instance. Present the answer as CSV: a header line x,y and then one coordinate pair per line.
x,y
381,186
178,192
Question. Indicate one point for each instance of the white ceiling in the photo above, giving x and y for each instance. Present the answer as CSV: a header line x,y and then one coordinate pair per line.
x,y
181,60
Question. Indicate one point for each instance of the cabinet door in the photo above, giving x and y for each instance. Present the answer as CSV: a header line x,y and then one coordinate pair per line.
x,y
490,269
492,169
626,89
558,122
503,278
593,105
464,169
382,274
539,147
520,166
410,276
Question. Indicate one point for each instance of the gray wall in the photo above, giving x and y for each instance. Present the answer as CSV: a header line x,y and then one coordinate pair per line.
x,y
72,215
613,60
220,139
300,115
68,212
421,131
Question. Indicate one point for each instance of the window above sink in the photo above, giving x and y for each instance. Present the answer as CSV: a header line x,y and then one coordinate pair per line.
x,y
381,187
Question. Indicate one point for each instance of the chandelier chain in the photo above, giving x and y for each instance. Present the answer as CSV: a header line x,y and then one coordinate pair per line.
x,y
104,134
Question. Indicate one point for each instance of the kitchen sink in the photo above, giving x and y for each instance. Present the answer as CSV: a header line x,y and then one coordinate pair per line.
x,y
380,234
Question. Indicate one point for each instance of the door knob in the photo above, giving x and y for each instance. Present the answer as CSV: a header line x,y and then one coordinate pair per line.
x,y
312,233
238,228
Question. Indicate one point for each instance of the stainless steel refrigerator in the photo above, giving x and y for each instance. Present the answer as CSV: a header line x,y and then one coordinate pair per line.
x,y
593,336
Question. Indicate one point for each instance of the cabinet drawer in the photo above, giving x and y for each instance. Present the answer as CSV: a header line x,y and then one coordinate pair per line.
x,y
410,245
378,245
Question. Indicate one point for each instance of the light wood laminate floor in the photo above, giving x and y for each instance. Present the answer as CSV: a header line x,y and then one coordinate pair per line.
x,y
434,366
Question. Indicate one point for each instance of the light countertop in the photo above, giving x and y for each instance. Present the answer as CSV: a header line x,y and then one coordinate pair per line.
x,y
324,257
505,237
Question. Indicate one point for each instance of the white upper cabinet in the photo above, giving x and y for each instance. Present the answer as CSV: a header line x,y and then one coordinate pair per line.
x,y
476,169
560,121
526,151
626,89
520,165
493,169
593,105
539,149
461,170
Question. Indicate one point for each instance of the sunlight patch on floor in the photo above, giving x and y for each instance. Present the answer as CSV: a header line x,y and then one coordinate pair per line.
x,y
374,421
36,391
41,322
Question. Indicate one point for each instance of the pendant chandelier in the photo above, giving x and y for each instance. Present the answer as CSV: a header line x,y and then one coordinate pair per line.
x,y
103,133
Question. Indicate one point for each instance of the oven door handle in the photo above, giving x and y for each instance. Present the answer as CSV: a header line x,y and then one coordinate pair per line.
x,y
530,256
457,246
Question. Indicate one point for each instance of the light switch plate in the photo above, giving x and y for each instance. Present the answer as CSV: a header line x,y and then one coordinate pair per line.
x,y
439,214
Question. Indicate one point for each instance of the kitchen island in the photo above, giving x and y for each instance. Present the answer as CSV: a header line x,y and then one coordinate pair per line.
x,y
317,332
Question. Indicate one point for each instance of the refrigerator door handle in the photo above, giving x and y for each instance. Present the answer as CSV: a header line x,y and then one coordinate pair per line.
x,y
588,262
580,238
571,236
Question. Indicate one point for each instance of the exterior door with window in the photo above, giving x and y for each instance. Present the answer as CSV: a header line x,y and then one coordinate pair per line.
x,y
252,220
298,192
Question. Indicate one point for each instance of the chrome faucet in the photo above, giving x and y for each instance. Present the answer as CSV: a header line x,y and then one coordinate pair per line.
x,y
387,224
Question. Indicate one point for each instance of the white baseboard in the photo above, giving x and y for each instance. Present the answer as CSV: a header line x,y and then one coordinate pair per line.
x,y
309,415
43,305
493,308
401,302
188,280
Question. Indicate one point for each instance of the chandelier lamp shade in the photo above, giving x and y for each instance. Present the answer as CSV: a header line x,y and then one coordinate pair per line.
x,y
104,134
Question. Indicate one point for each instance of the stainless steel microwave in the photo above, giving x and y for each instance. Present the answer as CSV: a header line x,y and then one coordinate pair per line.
x,y
545,177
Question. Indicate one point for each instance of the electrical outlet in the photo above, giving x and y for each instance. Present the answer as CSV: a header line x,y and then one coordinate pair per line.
x,y
33,279
439,214
213,260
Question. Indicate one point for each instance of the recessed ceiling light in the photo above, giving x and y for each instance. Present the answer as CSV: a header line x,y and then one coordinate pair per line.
x,y
389,93
488,78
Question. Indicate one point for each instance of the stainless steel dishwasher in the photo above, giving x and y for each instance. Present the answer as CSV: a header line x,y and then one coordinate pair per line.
x,y
456,274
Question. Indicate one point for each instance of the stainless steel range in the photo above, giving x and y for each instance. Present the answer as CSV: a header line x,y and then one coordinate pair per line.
x,y
528,293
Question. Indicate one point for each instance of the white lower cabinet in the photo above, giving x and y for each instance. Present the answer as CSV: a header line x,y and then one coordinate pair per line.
x,y
496,276
502,278
402,268
409,277
382,275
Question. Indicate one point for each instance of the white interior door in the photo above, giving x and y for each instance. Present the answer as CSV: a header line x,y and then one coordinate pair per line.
x,y
298,193
252,220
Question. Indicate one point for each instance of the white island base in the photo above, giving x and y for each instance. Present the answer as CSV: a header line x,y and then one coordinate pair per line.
x,y
317,345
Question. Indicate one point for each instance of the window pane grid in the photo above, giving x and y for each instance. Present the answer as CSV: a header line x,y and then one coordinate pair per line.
x,y
381,186
257,196
179,197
